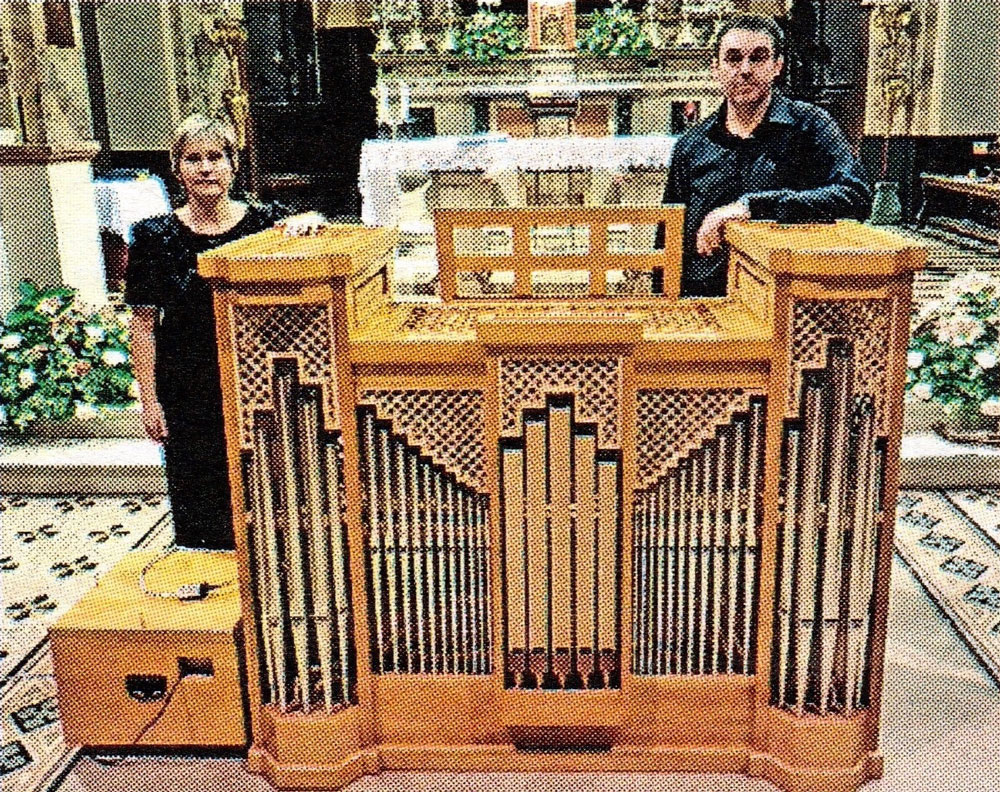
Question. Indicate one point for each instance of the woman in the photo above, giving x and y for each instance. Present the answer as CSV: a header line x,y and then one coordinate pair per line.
x,y
173,328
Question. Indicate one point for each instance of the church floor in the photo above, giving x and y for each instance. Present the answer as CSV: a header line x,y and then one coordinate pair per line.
x,y
940,718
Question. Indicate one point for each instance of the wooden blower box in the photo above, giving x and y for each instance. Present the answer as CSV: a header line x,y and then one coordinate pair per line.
x,y
134,669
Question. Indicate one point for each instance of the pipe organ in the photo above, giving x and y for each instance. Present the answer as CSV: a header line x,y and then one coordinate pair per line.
x,y
551,529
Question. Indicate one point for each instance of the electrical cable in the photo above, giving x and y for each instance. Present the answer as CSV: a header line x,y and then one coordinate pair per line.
x,y
106,761
186,591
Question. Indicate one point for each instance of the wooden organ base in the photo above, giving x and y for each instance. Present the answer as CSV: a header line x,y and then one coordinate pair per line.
x,y
565,528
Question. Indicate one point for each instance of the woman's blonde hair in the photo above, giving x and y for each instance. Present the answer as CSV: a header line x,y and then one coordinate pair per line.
x,y
197,126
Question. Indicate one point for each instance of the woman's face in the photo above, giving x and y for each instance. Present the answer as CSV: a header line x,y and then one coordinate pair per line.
x,y
205,170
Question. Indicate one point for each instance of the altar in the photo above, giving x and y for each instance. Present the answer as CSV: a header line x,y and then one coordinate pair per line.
x,y
500,159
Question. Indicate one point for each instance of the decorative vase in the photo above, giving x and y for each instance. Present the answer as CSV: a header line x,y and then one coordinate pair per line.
x,y
886,208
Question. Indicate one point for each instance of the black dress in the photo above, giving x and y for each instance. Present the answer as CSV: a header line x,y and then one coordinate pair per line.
x,y
162,273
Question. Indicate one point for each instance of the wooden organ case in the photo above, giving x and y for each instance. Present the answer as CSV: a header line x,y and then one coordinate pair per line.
x,y
570,524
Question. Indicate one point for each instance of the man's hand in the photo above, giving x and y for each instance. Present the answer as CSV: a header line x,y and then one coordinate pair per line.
x,y
710,234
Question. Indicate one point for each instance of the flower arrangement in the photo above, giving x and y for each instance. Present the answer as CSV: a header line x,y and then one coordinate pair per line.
x,y
616,31
954,355
59,359
490,35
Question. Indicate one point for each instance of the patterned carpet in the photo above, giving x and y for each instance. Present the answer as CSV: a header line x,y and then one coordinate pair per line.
x,y
52,550
951,541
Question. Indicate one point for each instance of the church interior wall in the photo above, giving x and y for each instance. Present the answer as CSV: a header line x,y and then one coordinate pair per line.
x,y
150,63
30,246
970,99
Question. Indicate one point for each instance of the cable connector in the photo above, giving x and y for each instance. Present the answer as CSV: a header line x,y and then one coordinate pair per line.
x,y
195,591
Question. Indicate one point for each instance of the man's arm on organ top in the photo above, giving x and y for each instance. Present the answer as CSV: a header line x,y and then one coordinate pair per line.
x,y
842,190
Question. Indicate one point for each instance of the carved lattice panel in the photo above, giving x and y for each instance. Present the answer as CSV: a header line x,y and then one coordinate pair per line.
x,y
865,323
261,332
671,319
595,383
446,425
671,422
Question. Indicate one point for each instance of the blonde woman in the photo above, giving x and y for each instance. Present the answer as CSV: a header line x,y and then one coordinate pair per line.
x,y
173,327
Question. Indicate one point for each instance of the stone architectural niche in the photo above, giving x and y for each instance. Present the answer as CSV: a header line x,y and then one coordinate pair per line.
x,y
551,24
45,154
932,68
160,64
46,77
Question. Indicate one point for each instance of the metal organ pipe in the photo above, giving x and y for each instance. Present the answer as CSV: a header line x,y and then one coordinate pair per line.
x,y
560,515
427,562
299,542
696,561
830,503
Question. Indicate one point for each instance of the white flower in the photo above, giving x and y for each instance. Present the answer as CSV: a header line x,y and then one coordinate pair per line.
x,y
3,415
93,333
133,389
11,341
959,330
985,359
113,357
914,360
85,411
991,407
922,391
972,283
26,379
49,306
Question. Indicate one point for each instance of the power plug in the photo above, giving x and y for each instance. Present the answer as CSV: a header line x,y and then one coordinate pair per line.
x,y
195,591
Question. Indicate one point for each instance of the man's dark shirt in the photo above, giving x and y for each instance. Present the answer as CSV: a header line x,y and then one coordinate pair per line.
x,y
796,167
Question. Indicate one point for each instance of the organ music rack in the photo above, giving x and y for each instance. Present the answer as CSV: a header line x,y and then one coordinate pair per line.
x,y
572,527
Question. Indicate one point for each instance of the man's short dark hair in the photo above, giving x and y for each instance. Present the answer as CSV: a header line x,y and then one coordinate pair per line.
x,y
758,24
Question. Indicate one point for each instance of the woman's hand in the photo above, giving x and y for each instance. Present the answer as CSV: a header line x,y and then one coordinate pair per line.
x,y
154,422
305,224
144,366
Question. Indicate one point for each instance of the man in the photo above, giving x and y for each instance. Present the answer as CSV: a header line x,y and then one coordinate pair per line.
x,y
762,156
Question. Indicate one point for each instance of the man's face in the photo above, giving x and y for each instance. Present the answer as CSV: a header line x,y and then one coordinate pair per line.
x,y
746,67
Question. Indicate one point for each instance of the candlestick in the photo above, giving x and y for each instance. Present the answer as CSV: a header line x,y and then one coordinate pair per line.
x,y
404,102
383,102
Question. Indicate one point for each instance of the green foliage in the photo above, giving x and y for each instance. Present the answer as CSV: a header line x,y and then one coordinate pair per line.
x,y
490,35
59,359
954,356
616,31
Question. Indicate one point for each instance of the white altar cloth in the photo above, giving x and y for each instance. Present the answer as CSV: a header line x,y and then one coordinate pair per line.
x,y
383,160
122,202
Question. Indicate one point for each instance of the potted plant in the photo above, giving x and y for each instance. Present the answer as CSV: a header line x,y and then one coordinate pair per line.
x,y
489,35
954,357
60,360
616,31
